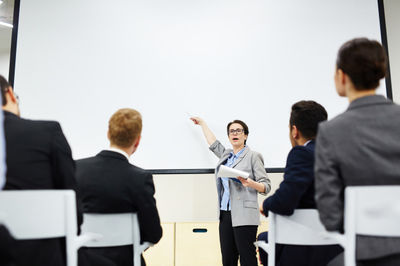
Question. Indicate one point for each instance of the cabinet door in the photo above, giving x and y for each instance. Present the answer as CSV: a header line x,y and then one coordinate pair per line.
x,y
162,254
197,244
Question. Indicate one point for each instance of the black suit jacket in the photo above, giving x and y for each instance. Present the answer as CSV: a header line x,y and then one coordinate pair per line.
x,y
38,157
297,192
108,183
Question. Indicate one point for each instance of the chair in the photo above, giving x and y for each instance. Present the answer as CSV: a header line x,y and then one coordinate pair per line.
x,y
369,210
303,227
34,214
117,230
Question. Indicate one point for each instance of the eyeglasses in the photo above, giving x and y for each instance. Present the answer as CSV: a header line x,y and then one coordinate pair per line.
x,y
238,130
16,97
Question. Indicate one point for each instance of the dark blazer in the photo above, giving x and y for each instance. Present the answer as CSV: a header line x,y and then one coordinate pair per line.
x,y
38,157
108,183
8,254
297,192
359,147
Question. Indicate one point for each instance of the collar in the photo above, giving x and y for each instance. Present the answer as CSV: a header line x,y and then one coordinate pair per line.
x,y
8,113
239,152
368,100
305,144
119,151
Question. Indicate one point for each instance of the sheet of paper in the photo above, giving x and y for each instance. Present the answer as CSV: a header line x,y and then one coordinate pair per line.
x,y
225,171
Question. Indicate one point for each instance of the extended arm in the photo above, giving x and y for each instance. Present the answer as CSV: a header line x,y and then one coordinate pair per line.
x,y
208,134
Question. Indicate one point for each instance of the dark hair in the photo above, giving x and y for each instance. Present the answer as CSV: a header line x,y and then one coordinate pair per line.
x,y
306,116
243,124
364,61
4,88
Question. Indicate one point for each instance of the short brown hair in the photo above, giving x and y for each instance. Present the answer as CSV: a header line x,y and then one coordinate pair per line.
x,y
124,127
364,61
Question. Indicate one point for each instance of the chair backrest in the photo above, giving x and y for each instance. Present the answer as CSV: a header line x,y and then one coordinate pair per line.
x,y
35,214
117,230
372,210
303,227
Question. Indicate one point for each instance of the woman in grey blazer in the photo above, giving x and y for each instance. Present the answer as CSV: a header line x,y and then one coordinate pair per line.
x,y
239,213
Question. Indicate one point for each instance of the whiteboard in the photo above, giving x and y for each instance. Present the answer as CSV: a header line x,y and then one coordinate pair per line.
x,y
78,62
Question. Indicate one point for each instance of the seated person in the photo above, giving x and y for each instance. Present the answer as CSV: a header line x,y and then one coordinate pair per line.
x,y
297,188
38,157
7,256
108,183
360,147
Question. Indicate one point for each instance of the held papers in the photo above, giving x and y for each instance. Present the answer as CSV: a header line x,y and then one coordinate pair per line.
x,y
225,171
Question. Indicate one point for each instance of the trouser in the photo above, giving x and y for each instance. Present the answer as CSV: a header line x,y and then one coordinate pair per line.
x,y
237,242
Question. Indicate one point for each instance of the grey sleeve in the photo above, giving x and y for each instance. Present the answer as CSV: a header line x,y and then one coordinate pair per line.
x,y
329,184
217,148
259,173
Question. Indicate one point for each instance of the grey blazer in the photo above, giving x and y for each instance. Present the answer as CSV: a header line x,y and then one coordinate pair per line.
x,y
244,203
359,147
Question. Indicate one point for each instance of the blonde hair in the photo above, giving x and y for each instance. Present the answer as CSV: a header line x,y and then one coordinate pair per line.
x,y
124,127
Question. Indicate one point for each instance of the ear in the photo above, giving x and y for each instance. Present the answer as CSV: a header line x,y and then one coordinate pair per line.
x,y
341,80
137,141
108,135
11,96
294,132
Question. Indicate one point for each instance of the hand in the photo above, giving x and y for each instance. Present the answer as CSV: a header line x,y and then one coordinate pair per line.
x,y
197,120
246,182
262,210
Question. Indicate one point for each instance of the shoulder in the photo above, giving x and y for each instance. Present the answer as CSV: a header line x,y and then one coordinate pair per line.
x,y
255,156
85,160
139,172
300,154
32,123
42,125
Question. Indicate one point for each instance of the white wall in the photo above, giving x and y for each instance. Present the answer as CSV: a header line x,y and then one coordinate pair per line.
x,y
190,198
222,60
4,63
5,48
392,11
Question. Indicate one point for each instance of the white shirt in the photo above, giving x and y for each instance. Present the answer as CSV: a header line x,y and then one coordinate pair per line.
x,y
305,144
119,151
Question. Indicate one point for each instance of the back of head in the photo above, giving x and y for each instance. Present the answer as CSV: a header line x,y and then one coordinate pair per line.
x,y
306,115
124,127
364,61
4,88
